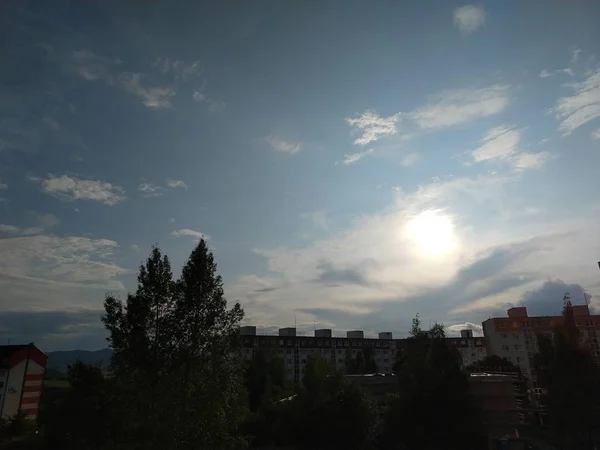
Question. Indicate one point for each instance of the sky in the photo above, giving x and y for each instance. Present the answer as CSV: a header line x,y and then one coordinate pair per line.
x,y
350,163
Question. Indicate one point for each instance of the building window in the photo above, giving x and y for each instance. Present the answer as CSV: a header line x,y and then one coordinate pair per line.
x,y
502,325
517,346
515,335
289,362
504,336
518,359
303,361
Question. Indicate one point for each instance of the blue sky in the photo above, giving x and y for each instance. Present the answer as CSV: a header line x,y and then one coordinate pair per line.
x,y
351,163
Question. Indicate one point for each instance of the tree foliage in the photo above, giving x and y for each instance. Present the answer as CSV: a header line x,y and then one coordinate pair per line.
x,y
433,406
566,370
174,356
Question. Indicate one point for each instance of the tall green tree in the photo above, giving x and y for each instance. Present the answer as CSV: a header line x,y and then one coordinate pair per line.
x,y
175,356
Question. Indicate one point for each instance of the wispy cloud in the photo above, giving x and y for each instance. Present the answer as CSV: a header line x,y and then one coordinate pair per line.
x,y
282,146
469,18
150,190
57,261
498,143
456,107
11,229
525,161
596,134
575,55
373,127
501,144
186,232
176,184
3,185
581,107
212,104
545,73
93,67
179,69
154,97
71,188
353,158
409,159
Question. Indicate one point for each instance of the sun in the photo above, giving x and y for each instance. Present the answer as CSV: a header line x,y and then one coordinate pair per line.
x,y
432,232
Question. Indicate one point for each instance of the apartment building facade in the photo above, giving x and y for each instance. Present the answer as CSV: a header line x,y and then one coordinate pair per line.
x,y
22,369
471,348
295,350
514,337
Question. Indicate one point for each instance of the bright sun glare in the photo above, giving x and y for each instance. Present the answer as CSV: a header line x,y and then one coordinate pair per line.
x,y
432,232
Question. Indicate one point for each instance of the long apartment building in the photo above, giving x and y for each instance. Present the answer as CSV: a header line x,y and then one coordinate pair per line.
x,y
514,337
295,350
22,369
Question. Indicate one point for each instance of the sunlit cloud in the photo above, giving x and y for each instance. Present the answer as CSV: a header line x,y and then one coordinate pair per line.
x,y
282,146
582,106
71,189
186,232
469,18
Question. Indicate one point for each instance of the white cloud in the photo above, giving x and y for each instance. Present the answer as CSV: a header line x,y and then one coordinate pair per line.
x,y
469,18
373,126
190,233
71,189
212,104
581,107
444,110
93,67
524,161
176,184
134,247
409,160
596,134
451,108
11,229
154,97
180,69
3,185
568,71
372,271
283,146
545,74
71,260
355,157
498,143
457,328
150,190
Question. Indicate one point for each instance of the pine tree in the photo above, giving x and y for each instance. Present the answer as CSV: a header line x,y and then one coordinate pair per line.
x,y
174,356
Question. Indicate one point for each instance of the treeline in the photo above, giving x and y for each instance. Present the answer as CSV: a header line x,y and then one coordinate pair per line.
x,y
178,381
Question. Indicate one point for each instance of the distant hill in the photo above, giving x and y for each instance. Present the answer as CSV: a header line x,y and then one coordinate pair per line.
x,y
59,361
